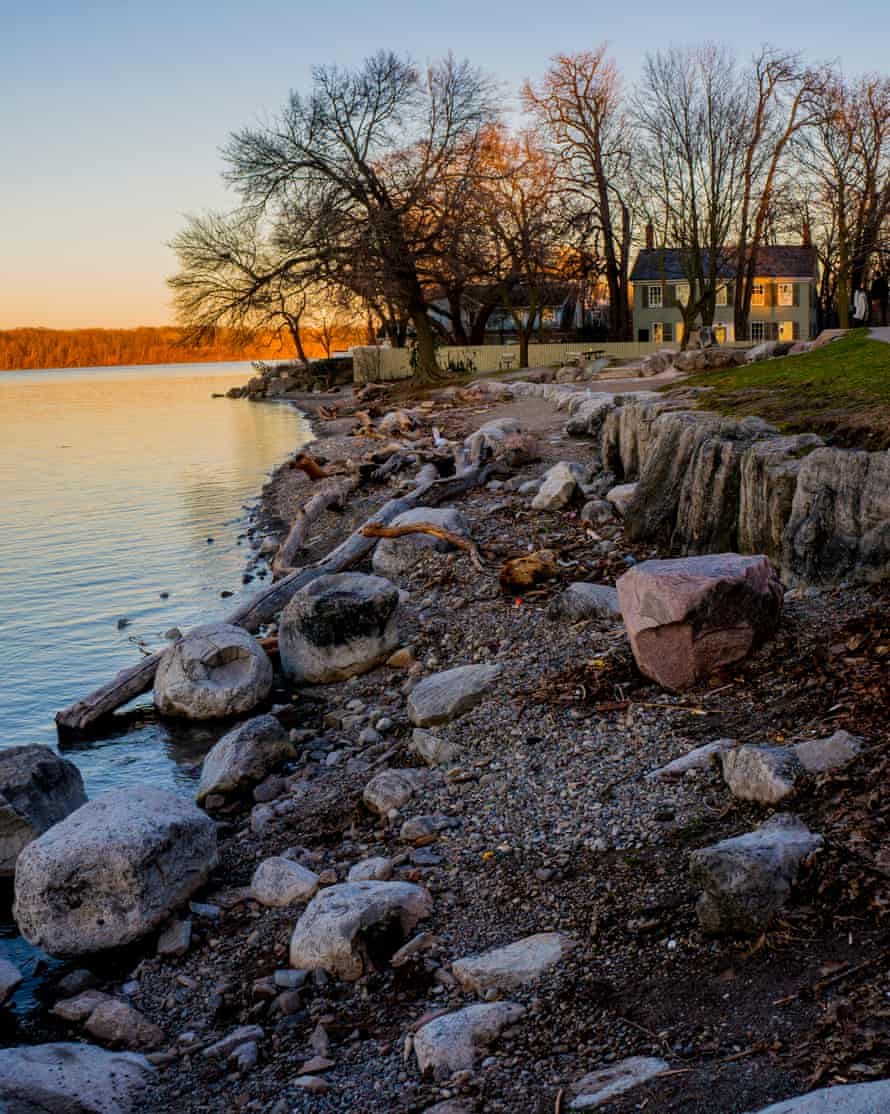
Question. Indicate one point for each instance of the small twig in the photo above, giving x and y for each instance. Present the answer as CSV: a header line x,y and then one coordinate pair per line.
x,y
831,980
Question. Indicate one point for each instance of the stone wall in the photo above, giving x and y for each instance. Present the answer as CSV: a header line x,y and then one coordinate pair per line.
x,y
709,484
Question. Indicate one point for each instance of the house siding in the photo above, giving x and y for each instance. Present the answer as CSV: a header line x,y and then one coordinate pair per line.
x,y
800,316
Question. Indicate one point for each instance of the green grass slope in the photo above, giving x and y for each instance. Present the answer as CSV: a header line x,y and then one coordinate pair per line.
x,y
841,391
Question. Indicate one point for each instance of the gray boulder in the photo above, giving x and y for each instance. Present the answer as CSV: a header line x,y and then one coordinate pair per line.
x,y
113,871
334,931
215,671
514,965
747,879
396,556
338,626
278,882
588,416
376,869
489,438
598,512
586,601
764,774
388,790
857,1098
434,750
558,489
621,496
244,757
72,1079
442,697
37,790
454,1041
699,758
819,755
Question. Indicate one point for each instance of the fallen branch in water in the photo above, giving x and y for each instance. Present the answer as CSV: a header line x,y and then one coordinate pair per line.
x,y
268,602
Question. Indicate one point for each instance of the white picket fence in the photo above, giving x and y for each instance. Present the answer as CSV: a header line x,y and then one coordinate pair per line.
x,y
383,365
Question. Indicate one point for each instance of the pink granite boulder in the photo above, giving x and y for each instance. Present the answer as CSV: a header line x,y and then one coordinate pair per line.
x,y
688,617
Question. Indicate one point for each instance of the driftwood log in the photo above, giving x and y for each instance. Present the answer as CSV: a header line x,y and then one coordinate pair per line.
x,y
374,530
334,495
267,603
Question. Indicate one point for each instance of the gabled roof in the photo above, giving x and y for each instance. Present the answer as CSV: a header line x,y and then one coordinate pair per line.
x,y
778,261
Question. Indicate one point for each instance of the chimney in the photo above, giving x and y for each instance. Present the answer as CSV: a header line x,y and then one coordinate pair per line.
x,y
807,235
650,236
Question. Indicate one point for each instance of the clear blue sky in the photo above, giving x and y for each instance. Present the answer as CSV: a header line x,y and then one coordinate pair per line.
x,y
112,112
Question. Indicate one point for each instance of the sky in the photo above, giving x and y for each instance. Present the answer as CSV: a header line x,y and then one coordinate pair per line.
x,y
112,112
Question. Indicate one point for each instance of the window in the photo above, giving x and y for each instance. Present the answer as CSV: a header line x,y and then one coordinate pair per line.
x,y
678,330
722,296
758,295
758,329
720,332
655,297
548,316
786,330
786,293
657,332
683,293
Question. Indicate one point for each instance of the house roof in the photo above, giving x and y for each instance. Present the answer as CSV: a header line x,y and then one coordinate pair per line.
x,y
775,261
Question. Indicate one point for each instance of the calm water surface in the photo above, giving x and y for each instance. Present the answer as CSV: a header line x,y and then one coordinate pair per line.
x,y
112,482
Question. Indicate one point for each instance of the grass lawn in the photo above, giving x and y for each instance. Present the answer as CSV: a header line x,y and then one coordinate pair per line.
x,y
841,392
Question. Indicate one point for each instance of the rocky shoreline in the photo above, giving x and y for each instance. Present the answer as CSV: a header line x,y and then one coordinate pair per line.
x,y
536,942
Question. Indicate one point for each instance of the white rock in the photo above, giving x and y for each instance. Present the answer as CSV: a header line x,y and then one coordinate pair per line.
x,y
37,790
700,758
620,497
215,671
388,790
396,556
600,1086
112,871
434,750
453,1041
378,869
582,600
761,773
11,979
244,757
78,1078
443,697
329,933
557,490
818,755
508,968
857,1098
338,626
278,882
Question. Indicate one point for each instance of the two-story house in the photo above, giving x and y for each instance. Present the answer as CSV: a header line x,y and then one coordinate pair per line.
x,y
783,304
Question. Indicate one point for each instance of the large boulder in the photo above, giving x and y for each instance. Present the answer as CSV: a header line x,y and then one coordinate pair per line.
x,y
558,489
215,671
582,600
454,1041
112,871
11,979
37,790
72,1079
396,556
688,617
747,879
442,697
589,414
244,757
839,527
354,927
338,626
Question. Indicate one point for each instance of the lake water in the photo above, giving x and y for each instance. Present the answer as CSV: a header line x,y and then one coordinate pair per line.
x,y
112,481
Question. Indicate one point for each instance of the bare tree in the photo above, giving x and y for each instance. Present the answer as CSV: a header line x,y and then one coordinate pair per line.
x,y
580,108
363,153
690,113
784,99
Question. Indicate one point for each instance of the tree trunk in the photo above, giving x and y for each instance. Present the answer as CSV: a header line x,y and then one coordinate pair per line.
x,y
426,370
293,326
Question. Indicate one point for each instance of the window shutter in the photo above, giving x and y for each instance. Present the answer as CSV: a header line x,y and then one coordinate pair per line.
x,y
645,297
670,295
774,330
730,293
796,328
797,293
668,332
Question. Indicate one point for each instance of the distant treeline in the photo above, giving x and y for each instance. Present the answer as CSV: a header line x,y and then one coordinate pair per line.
x,y
49,348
